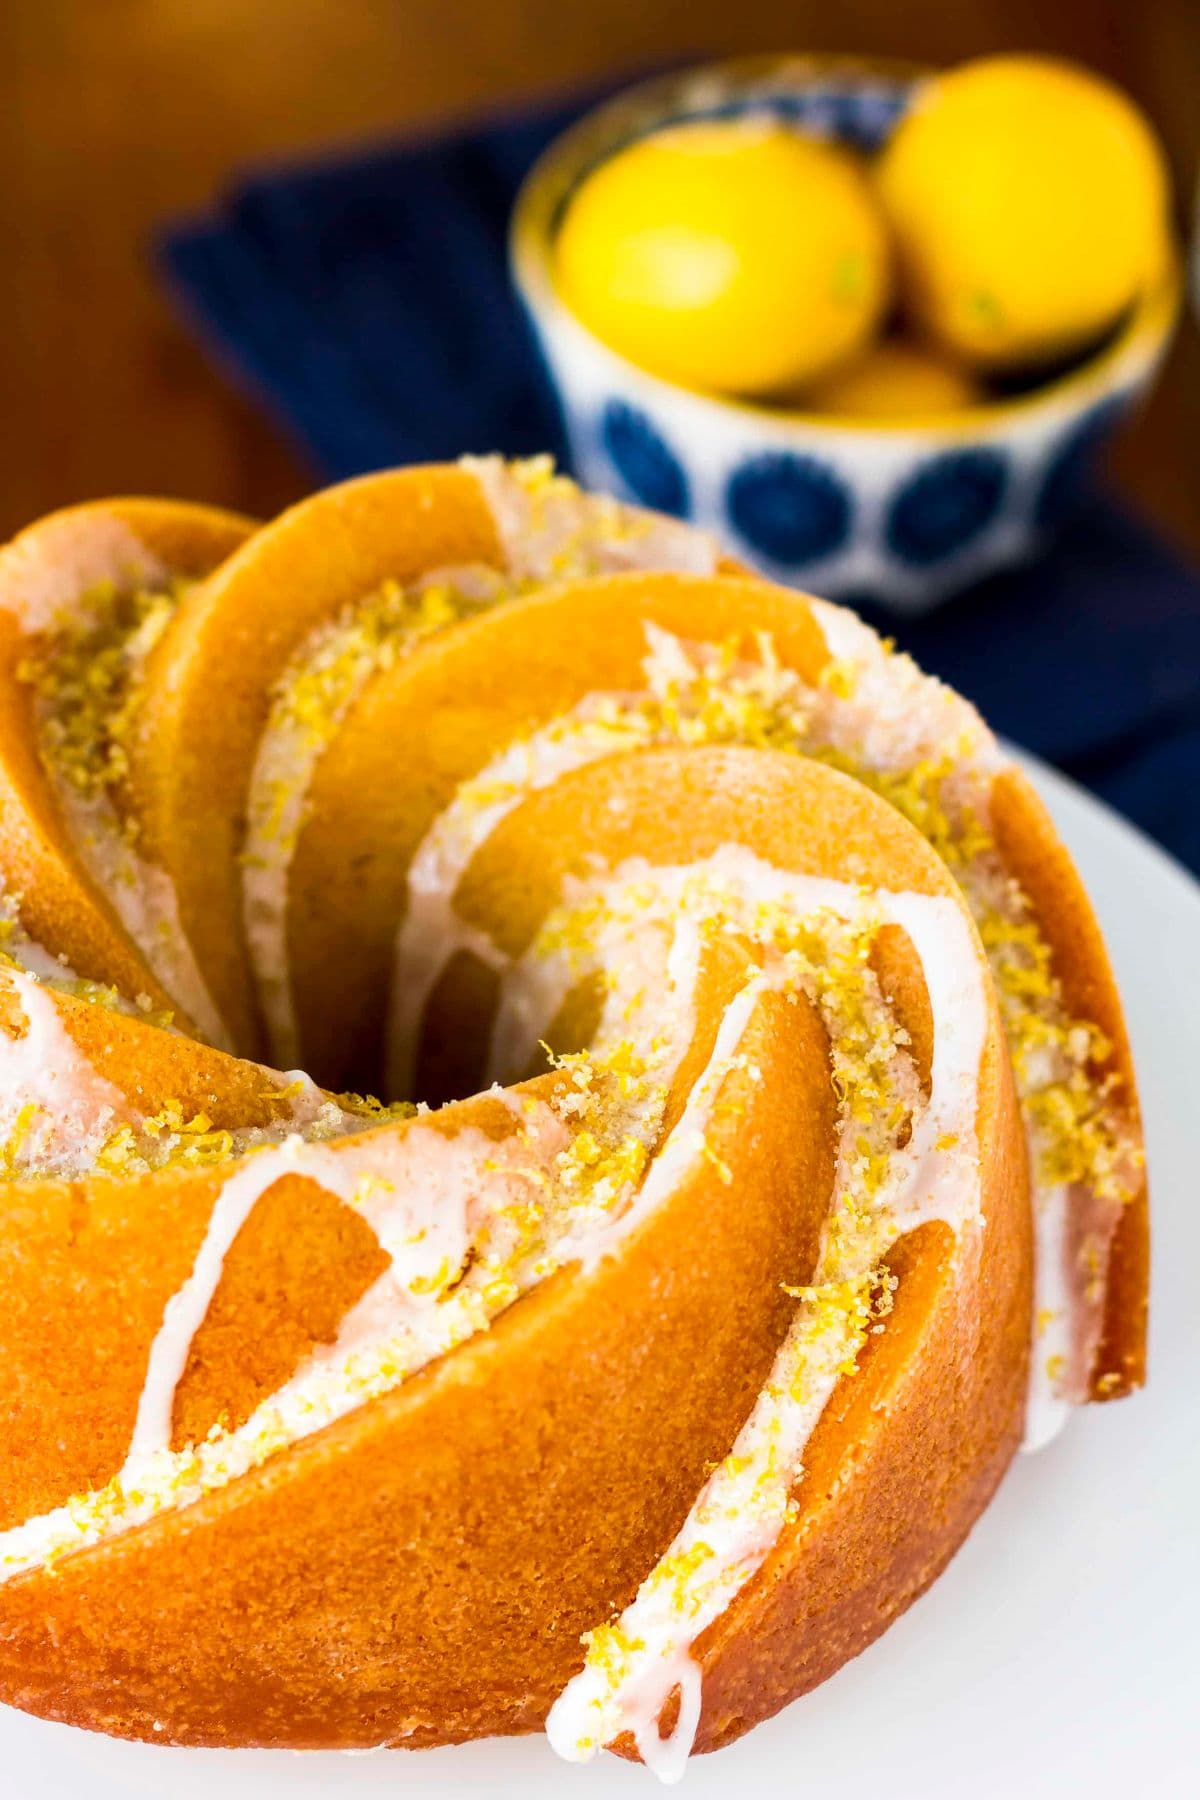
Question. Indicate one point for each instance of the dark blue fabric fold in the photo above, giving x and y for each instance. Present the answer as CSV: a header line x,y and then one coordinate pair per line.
x,y
365,300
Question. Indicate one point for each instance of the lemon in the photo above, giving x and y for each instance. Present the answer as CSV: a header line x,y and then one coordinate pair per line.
x,y
1028,200
893,381
737,256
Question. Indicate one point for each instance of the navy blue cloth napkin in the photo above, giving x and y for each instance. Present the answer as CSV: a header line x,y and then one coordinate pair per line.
x,y
366,302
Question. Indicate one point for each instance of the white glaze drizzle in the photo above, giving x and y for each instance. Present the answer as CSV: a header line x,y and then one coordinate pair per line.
x,y
143,897
188,1307
44,573
1048,1408
890,718
549,530
431,932
56,1111
141,893
421,1218
943,935
742,1508
645,1694
895,717
428,1196
154,1477
685,1145
290,751
602,724
544,521
19,950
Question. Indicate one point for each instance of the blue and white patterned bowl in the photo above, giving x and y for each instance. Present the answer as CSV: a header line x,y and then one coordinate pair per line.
x,y
907,512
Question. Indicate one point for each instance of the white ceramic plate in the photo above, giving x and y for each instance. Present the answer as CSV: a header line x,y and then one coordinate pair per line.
x,y
1056,1656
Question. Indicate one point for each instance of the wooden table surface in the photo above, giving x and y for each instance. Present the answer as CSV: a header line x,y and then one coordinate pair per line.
x,y
118,114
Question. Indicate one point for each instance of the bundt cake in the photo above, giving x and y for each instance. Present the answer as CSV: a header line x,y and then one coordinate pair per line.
x,y
758,1157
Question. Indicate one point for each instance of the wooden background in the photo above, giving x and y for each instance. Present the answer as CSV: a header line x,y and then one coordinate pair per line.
x,y
116,114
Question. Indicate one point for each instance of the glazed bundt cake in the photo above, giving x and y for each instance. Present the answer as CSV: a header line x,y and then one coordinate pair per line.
x,y
757,1158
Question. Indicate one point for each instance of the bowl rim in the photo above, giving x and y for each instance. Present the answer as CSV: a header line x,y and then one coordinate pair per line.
x,y
641,107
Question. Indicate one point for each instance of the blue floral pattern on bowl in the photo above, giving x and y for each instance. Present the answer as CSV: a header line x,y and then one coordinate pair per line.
x,y
648,469
910,511
790,510
945,505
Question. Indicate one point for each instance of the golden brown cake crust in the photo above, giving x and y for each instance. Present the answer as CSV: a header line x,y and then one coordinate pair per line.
x,y
571,1408
1042,864
42,570
424,1569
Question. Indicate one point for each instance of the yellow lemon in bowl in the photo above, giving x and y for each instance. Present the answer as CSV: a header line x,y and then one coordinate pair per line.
x,y
894,381
1028,200
736,256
